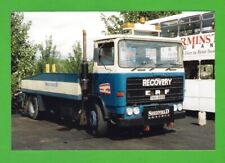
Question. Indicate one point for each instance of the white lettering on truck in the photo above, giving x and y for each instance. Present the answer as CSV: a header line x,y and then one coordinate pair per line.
x,y
156,82
159,112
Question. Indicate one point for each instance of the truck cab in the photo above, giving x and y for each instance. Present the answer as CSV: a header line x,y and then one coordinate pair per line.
x,y
140,79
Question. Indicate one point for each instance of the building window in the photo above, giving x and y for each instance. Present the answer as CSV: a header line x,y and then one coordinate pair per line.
x,y
208,23
190,25
191,69
204,69
207,69
169,28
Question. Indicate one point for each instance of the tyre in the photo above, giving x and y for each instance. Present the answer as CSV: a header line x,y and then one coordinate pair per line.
x,y
97,125
32,107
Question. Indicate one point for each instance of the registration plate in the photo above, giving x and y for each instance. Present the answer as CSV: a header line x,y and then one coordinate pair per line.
x,y
157,97
153,114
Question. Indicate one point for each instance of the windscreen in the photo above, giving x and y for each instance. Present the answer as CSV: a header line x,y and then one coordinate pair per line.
x,y
133,53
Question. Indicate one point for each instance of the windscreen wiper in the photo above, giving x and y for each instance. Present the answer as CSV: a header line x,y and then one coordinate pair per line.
x,y
152,68
139,66
176,64
173,68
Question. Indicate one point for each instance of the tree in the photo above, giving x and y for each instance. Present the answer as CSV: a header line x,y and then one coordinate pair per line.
x,y
22,51
114,24
49,54
73,63
134,16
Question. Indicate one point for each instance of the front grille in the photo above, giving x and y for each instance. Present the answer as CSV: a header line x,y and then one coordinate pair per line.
x,y
139,94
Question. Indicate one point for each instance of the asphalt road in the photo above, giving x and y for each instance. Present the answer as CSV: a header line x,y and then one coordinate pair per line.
x,y
51,135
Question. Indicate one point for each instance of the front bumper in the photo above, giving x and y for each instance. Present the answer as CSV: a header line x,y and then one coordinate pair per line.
x,y
130,122
179,114
137,122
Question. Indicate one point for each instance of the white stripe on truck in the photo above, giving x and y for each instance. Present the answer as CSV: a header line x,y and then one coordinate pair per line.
x,y
52,86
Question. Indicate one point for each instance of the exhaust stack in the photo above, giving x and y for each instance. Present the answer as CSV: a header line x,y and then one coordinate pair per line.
x,y
84,67
84,46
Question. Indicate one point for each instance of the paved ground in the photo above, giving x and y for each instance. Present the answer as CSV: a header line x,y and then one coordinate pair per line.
x,y
48,134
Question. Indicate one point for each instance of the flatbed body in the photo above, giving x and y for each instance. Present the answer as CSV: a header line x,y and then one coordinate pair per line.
x,y
61,85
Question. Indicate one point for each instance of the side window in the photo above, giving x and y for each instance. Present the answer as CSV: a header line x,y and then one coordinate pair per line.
x,y
203,70
191,69
208,24
207,69
169,28
190,25
106,54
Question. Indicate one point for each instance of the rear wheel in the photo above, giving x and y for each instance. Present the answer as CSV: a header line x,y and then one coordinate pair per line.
x,y
97,125
32,107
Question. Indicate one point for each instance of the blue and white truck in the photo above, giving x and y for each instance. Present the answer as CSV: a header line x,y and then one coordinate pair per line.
x,y
137,81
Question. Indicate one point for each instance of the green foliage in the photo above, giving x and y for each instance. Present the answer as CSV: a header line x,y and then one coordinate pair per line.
x,y
134,16
22,51
61,66
90,66
73,63
49,55
113,24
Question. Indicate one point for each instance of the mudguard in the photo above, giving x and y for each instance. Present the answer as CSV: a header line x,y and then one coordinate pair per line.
x,y
100,102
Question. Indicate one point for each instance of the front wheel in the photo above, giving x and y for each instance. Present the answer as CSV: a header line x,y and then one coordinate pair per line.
x,y
97,125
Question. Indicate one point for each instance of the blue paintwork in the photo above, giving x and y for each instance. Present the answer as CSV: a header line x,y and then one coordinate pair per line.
x,y
59,77
118,84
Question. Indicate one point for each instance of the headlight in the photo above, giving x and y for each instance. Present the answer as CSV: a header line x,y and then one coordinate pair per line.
x,y
129,111
136,110
179,107
175,107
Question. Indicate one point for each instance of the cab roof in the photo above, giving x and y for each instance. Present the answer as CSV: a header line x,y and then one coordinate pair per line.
x,y
138,37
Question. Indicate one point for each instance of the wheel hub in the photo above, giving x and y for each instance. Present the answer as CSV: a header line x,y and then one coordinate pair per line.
x,y
31,108
93,119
